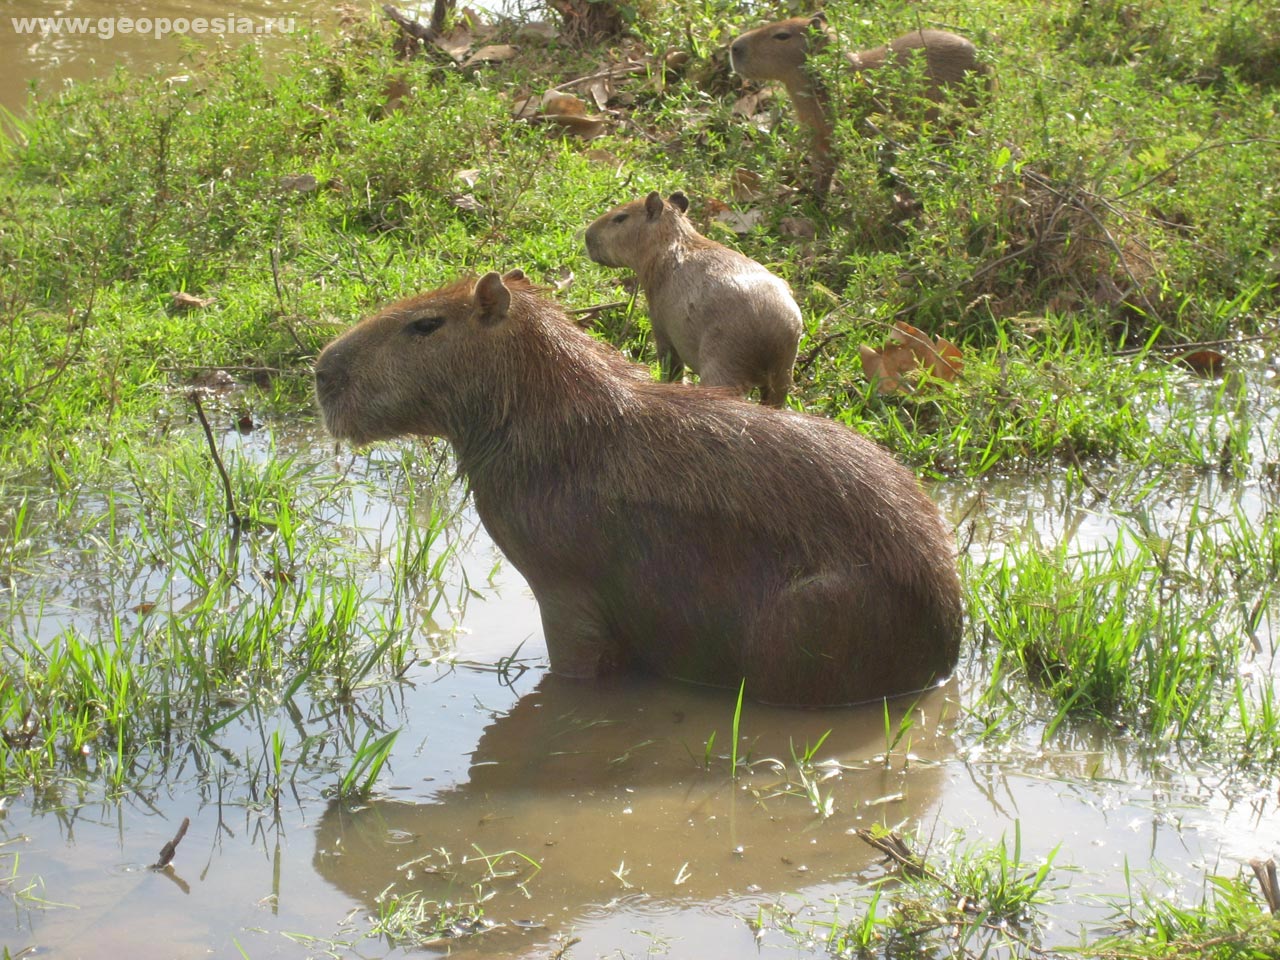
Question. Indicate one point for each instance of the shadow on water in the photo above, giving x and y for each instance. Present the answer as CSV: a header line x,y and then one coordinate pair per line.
x,y
609,788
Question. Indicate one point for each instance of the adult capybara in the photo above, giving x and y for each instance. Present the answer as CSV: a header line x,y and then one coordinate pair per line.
x,y
779,53
711,308
660,528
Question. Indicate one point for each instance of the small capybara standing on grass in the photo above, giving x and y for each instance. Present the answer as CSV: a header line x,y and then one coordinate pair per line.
x,y
665,529
779,53
711,308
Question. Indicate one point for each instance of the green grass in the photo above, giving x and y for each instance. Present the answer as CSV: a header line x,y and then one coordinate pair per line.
x,y
1112,200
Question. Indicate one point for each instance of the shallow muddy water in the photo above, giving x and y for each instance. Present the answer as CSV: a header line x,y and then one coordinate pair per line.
x,y
594,813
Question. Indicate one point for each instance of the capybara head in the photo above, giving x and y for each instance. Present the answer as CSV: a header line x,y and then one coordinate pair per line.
x,y
632,232
777,52
385,377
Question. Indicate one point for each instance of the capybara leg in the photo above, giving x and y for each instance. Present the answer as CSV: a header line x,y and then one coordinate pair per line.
x,y
719,375
578,642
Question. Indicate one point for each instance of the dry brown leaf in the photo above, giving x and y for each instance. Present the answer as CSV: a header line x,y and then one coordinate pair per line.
x,y
744,184
180,301
584,127
749,105
910,354
798,227
563,104
740,221
675,59
1206,363
526,108
601,156
469,177
298,182
494,53
455,43
539,31
394,94
600,91
466,201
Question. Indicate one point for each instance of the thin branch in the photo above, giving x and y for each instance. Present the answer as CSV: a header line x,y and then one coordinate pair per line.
x,y
217,461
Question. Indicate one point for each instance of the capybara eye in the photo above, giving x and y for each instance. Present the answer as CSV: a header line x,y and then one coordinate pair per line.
x,y
782,35
619,218
424,325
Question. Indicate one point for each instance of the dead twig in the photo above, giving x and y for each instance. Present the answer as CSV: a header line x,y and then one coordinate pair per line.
x,y
170,848
1265,871
236,522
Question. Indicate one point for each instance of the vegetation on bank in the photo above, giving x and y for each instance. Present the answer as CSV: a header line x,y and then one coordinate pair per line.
x,y
1115,202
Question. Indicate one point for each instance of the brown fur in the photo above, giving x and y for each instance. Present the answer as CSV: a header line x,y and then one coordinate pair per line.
x,y
778,53
660,528
728,318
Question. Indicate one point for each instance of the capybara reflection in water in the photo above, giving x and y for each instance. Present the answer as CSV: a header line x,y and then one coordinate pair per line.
x,y
713,309
661,528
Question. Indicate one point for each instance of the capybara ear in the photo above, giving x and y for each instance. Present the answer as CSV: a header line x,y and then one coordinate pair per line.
x,y
653,205
679,201
515,274
492,299
818,22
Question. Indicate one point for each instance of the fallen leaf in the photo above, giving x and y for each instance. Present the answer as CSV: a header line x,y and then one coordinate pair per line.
x,y
749,105
563,104
585,127
495,53
469,177
675,59
538,30
739,221
394,94
744,184
1206,363
600,91
526,107
601,156
298,182
563,279
797,227
887,368
910,354
466,201
456,43
180,301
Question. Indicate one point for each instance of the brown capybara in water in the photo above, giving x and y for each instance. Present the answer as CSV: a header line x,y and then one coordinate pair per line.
x,y
779,53
661,528
711,308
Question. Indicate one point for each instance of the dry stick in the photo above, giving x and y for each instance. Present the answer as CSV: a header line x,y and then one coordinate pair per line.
x,y
217,461
170,848
410,26
585,316
1185,347
1265,871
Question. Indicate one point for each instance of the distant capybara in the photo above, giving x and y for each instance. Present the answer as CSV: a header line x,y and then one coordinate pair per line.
x,y
779,53
711,308
660,528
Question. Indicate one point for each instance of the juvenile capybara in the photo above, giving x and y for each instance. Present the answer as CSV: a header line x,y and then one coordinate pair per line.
x,y
779,53
720,313
661,528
